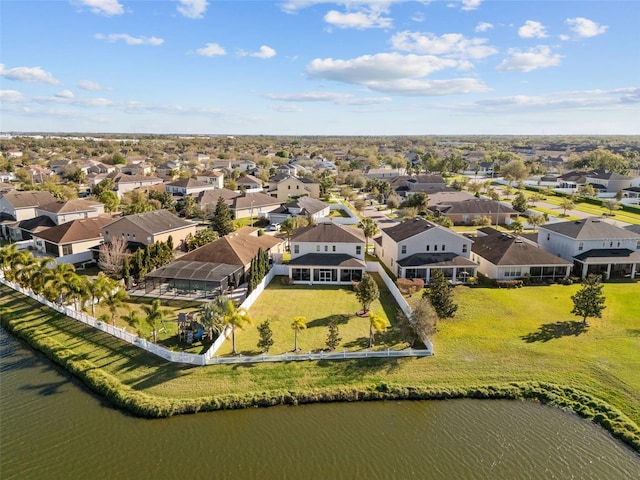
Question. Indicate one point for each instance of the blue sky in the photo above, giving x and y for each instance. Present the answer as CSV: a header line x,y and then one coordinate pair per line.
x,y
314,67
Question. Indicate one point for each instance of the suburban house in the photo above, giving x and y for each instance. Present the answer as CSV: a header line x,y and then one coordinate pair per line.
x,y
21,205
24,229
71,242
417,247
307,207
214,268
249,184
101,168
502,256
253,205
212,177
62,212
608,181
187,186
126,183
466,211
285,187
149,227
593,246
240,165
385,173
327,253
208,199
137,167
166,169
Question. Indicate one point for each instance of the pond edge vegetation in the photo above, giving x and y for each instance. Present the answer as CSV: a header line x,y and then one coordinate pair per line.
x,y
149,406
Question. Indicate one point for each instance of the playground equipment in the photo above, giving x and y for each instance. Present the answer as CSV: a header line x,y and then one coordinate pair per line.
x,y
189,329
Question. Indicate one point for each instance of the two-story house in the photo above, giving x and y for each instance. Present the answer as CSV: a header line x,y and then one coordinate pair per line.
x,y
327,253
149,227
126,183
594,246
187,186
62,212
71,242
307,207
213,177
21,205
285,187
416,247
249,184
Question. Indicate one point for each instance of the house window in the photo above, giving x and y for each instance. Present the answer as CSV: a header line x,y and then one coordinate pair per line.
x,y
317,248
403,249
618,244
548,237
326,248
288,187
359,250
581,246
333,248
435,248
610,244
428,247
464,248
443,248
66,250
296,249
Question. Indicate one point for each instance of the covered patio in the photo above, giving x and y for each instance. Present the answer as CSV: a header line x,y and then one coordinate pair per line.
x,y
611,263
455,268
318,268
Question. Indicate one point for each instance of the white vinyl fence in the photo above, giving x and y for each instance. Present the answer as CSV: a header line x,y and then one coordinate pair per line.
x,y
209,358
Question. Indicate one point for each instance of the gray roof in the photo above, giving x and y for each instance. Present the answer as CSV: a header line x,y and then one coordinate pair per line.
x,y
327,233
30,198
155,222
503,249
308,205
592,228
188,183
436,260
473,206
609,255
328,260
409,228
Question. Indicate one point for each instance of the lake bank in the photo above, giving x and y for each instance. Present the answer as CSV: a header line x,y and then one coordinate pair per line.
x,y
147,386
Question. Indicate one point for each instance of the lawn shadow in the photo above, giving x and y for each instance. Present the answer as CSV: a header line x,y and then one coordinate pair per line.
x,y
358,367
325,321
633,332
46,389
549,331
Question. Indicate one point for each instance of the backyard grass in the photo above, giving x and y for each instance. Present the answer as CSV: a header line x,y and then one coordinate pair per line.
x,y
500,339
319,305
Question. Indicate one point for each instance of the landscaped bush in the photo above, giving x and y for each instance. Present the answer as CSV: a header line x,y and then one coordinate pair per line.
x,y
509,283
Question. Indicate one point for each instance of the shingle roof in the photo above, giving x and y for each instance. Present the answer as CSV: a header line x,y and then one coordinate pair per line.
x,y
409,228
473,206
328,260
209,197
249,180
75,231
31,198
38,223
609,255
327,233
307,205
436,260
234,249
155,222
188,183
70,206
503,249
258,199
592,228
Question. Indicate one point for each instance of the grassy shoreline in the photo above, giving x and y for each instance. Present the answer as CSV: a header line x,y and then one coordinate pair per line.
x,y
149,387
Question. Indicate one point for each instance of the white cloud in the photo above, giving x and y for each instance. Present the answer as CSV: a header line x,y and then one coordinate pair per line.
x,y
103,7
359,20
424,88
332,97
483,27
449,44
379,67
292,6
532,59
470,4
192,8
532,29
89,85
66,94
211,50
11,96
129,39
28,74
583,27
265,53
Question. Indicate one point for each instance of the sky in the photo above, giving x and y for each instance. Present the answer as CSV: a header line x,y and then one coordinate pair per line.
x,y
316,67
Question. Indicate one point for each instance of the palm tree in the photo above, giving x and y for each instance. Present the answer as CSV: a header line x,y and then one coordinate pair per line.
x,y
235,318
133,319
566,204
288,227
6,255
377,324
536,220
57,288
26,270
298,324
79,290
99,288
212,316
113,300
41,273
155,315
369,229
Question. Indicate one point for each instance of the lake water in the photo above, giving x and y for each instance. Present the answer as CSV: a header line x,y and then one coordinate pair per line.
x,y
52,428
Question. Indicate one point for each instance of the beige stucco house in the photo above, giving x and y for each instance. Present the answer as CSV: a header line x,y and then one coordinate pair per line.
x,y
150,227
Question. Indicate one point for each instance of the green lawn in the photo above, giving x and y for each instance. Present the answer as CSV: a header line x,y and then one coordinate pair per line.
x,y
318,304
498,336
